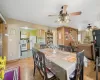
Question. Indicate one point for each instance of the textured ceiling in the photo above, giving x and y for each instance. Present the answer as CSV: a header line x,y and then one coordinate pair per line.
x,y
37,11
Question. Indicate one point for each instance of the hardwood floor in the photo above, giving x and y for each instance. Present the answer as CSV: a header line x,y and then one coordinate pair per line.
x,y
26,66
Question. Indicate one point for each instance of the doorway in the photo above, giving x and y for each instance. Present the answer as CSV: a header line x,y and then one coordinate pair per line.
x,y
27,41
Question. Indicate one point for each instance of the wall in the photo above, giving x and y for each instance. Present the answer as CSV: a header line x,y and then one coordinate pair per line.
x,y
13,41
25,24
32,32
83,35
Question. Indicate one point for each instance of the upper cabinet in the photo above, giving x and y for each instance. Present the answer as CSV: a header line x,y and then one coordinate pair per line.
x,y
60,35
66,35
41,33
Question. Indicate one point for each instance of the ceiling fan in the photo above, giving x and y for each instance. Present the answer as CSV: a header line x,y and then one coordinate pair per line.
x,y
63,16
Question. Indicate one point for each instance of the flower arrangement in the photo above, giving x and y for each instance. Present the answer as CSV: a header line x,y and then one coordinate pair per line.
x,y
2,67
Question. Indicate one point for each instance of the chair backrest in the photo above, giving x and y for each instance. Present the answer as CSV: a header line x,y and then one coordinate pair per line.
x,y
61,47
80,66
39,60
42,46
68,48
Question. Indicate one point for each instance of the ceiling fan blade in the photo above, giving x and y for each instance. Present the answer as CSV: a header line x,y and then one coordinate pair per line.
x,y
64,9
75,13
52,15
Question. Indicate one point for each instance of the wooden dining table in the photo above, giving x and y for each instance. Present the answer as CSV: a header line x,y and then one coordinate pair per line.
x,y
61,63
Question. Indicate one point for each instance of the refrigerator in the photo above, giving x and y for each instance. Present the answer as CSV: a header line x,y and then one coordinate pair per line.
x,y
0,44
32,41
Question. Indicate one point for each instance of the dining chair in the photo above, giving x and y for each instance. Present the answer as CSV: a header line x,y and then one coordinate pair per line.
x,y
97,66
68,48
61,47
39,63
42,46
79,71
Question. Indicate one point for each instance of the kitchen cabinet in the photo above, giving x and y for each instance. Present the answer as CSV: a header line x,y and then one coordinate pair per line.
x,y
66,35
41,33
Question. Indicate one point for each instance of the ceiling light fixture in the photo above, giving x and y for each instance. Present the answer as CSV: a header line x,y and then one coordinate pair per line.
x,y
63,19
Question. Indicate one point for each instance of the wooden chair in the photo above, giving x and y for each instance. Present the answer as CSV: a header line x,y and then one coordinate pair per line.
x,y
68,48
42,46
79,71
61,47
97,66
39,63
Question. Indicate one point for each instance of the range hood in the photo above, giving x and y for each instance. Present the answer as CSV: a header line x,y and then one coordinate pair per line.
x,y
2,18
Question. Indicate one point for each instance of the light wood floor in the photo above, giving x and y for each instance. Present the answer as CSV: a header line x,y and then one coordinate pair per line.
x,y
26,66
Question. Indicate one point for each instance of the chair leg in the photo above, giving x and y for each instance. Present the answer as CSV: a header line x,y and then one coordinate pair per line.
x,y
34,71
97,69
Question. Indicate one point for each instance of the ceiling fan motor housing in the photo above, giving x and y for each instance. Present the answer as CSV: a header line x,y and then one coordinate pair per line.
x,y
62,14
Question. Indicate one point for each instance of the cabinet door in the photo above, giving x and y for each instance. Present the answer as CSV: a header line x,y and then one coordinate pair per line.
x,y
75,34
4,39
60,36
41,33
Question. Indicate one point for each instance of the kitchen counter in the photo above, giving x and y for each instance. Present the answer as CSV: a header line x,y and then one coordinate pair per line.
x,y
39,45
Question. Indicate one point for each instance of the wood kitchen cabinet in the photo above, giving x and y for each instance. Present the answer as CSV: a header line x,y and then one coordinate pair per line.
x,y
66,35
41,33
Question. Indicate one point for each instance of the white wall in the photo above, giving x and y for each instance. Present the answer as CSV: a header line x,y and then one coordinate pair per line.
x,y
13,42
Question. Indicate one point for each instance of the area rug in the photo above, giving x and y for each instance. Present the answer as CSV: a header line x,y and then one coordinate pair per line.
x,y
12,74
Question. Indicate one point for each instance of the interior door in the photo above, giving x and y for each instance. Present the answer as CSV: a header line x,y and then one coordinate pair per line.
x,y
13,42
3,40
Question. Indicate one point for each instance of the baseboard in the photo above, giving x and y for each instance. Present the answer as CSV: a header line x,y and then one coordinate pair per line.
x,y
11,61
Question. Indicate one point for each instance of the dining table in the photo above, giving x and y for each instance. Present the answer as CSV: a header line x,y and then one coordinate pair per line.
x,y
60,63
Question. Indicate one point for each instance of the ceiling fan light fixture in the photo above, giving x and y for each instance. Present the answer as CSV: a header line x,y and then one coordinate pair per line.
x,y
58,19
67,17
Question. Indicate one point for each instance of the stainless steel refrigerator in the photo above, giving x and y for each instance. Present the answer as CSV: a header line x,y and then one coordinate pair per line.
x,y
0,44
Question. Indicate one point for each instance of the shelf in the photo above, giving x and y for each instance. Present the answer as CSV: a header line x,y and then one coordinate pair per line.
x,y
49,38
